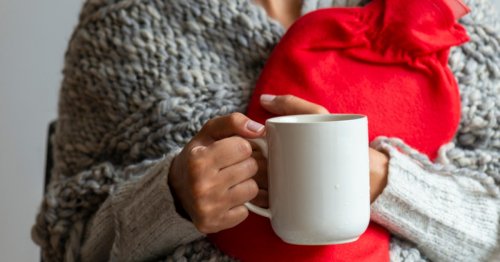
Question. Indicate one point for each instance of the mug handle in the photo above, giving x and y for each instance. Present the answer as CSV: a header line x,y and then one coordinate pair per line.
x,y
265,212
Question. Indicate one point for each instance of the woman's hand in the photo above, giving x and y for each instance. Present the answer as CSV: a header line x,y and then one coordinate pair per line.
x,y
212,176
292,105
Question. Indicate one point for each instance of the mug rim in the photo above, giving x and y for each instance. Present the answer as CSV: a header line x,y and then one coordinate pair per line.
x,y
315,118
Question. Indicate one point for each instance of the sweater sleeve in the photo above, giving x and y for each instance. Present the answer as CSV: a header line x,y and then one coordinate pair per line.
x,y
451,214
120,124
450,209
138,221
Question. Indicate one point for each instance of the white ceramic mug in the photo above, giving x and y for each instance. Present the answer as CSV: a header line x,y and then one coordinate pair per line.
x,y
319,185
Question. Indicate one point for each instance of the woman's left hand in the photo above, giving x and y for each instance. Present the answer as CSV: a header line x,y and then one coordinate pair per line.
x,y
292,105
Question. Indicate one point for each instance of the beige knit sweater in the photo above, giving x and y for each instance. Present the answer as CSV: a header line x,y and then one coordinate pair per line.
x,y
142,76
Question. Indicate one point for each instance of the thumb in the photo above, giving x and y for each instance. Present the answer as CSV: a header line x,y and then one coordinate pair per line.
x,y
290,105
235,124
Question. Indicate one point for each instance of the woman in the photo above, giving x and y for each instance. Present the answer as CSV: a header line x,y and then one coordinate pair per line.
x,y
139,171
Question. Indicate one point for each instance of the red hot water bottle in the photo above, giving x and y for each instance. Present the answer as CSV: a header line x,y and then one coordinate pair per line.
x,y
387,60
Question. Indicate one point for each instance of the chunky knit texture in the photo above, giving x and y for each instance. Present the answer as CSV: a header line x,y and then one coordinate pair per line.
x,y
142,76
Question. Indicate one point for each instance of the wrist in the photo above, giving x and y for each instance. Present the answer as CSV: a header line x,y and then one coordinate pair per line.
x,y
379,170
172,185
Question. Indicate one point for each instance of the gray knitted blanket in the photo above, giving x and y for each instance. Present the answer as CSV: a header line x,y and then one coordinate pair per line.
x,y
142,76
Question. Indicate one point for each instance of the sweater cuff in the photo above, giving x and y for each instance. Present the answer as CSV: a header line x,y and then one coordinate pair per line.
x,y
147,223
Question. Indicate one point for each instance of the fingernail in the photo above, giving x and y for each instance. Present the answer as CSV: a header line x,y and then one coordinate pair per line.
x,y
197,148
267,98
254,126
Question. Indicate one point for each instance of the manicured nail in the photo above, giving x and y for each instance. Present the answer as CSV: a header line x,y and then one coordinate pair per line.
x,y
267,98
197,148
254,126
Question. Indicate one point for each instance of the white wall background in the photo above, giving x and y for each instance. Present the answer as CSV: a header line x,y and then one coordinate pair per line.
x,y
33,38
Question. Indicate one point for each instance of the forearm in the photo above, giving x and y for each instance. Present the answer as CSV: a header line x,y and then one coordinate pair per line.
x,y
451,217
138,221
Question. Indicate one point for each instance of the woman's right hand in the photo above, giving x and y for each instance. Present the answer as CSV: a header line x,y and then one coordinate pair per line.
x,y
212,176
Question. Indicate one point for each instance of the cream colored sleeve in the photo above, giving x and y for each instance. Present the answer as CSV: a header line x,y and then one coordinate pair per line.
x,y
450,216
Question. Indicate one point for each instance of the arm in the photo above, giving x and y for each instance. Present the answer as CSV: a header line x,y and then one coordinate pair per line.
x,y
137,220
112,151
211,177
123,116
451,214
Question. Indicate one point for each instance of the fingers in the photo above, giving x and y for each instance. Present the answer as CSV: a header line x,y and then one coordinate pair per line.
x,y
261,175
234,216
219,216
227,219
211,177
235,124
242,193
239,213
262,199
290,105
229,151
239,172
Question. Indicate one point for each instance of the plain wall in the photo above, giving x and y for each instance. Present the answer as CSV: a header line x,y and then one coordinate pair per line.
x,y
33,38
